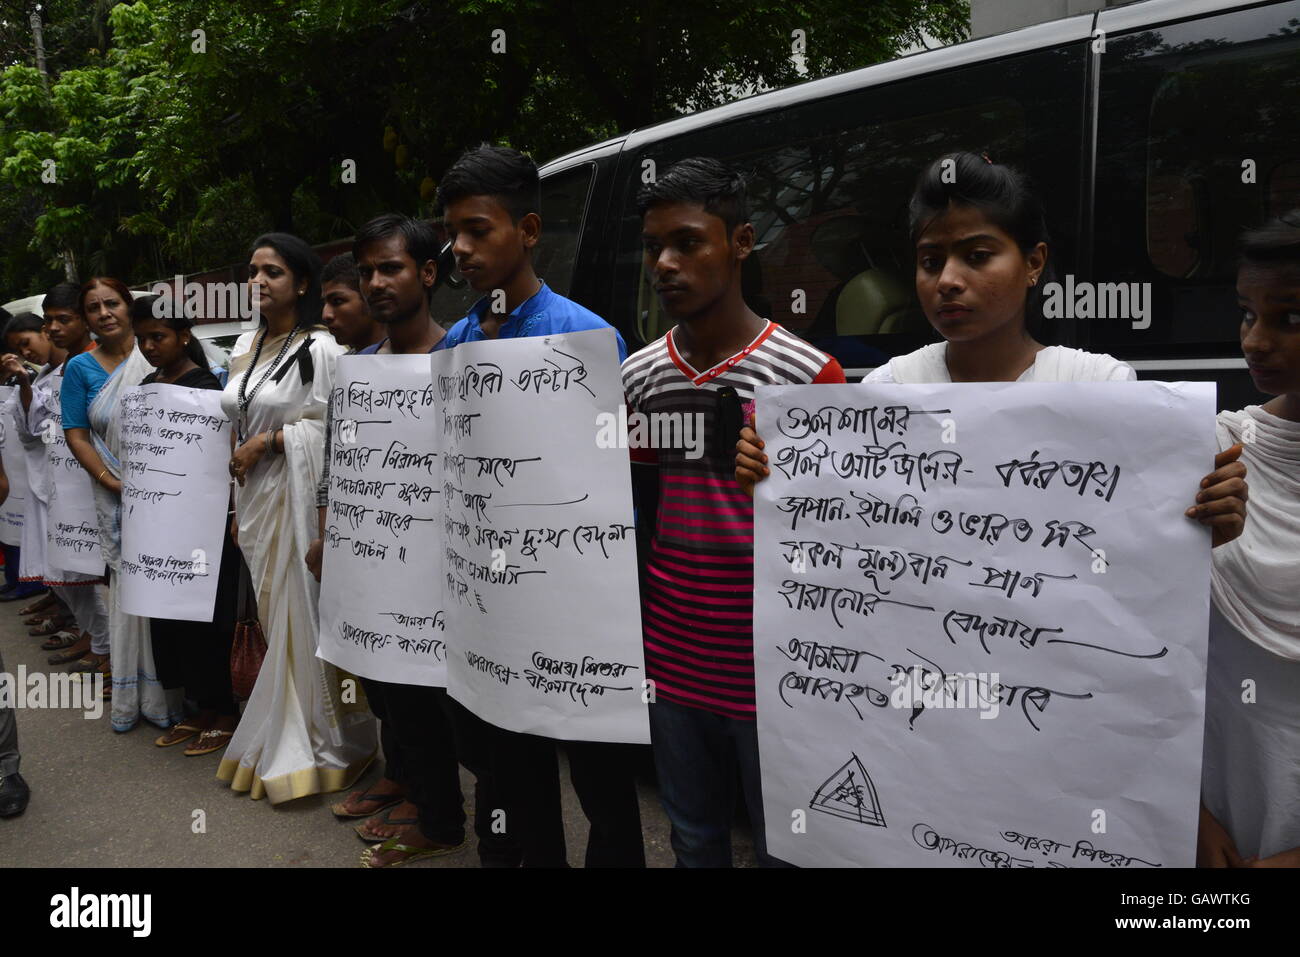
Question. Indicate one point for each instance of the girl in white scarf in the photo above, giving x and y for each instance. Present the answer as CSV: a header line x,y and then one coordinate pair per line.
x,y
1250,786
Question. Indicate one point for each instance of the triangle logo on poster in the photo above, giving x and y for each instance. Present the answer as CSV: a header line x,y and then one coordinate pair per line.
x,y
850,793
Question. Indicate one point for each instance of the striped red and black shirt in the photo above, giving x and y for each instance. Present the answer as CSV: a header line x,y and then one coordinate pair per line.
x,y
698,607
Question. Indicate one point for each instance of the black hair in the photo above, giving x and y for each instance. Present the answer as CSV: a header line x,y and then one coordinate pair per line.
x,y
342,268
5,314
304,264
1275,243
163,309
62,295
1000,192
420,237
507,175
23,322
702,180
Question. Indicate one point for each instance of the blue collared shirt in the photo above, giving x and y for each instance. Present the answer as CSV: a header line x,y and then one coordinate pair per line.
x,y
542,314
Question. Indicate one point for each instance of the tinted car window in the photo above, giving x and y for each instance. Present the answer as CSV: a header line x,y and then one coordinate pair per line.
x,y
1198,138
829,187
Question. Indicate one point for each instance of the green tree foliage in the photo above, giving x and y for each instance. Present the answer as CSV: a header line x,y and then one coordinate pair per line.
x,y
180,128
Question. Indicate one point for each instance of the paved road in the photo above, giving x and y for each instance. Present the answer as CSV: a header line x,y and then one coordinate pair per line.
x,y
103,799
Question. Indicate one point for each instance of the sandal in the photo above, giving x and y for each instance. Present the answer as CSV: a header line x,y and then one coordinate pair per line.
x,y
176,734
364,832
66,657
60,640
89,664
214,739
412,853
48,627
381,801
39,605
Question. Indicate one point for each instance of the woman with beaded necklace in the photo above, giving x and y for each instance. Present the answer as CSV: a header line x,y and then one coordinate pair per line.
x,y
297,736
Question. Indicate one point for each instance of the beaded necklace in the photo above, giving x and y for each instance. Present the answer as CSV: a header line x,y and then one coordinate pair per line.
x,y
246,397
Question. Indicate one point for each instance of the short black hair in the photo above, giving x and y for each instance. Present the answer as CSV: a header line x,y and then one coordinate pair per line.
x,y
5,314
506,175
342,268
704,181
304,263
23,322
1275,243
62,295
420,237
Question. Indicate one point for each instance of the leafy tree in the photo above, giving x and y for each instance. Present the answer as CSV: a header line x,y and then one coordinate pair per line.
x,y
180,128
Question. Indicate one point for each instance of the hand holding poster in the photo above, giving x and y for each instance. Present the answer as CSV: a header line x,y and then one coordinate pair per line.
x,y
15,465
381,611
542,603
980,623
73,526
175,498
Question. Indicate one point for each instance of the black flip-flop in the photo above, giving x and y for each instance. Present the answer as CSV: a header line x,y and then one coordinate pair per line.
x,y
381,801
387,819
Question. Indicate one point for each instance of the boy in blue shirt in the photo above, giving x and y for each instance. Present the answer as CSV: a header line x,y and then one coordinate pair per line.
x,y
490,200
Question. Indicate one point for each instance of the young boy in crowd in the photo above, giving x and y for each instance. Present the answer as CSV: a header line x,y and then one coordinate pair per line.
x,y
490,201
697,604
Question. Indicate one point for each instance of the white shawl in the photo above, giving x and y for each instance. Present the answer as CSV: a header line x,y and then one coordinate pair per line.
x,y
1255,579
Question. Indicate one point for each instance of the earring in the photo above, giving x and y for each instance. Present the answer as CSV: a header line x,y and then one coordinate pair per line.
x,y
1033,280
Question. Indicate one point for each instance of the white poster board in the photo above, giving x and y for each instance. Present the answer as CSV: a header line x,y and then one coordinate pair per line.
x,y
15,464
980,623
381,603
543,613
175,499
72,531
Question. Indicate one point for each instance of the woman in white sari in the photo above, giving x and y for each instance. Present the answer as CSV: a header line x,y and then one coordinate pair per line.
x,y
92,389
298,734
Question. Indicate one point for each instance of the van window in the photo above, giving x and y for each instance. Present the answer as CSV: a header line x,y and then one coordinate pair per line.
x,y
829,187
1178,180
564,207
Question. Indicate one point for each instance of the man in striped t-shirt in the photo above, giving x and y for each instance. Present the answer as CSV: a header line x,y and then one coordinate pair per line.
x,y
691,389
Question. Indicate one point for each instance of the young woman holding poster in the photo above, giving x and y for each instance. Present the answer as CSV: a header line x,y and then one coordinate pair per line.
x,y
195,653
981,244
36,413
1250,779
302,732
92,390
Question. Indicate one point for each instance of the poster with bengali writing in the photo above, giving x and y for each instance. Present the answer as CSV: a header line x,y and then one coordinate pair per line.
x,y
981,622
15,465
72,529
381,604
175,500
540,580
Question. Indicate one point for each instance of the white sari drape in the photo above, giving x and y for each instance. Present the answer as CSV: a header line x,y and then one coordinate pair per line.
x,y
297,735
136,688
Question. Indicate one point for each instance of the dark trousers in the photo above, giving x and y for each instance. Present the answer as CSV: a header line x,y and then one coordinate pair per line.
x,y
429,764
387,735
526,768
196,654
475,738
698,757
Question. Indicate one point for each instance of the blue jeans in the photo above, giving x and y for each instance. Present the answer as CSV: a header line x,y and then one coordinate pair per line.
x,y
697,755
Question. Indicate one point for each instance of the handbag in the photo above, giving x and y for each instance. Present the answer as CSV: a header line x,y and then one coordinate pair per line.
x,y
249,646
